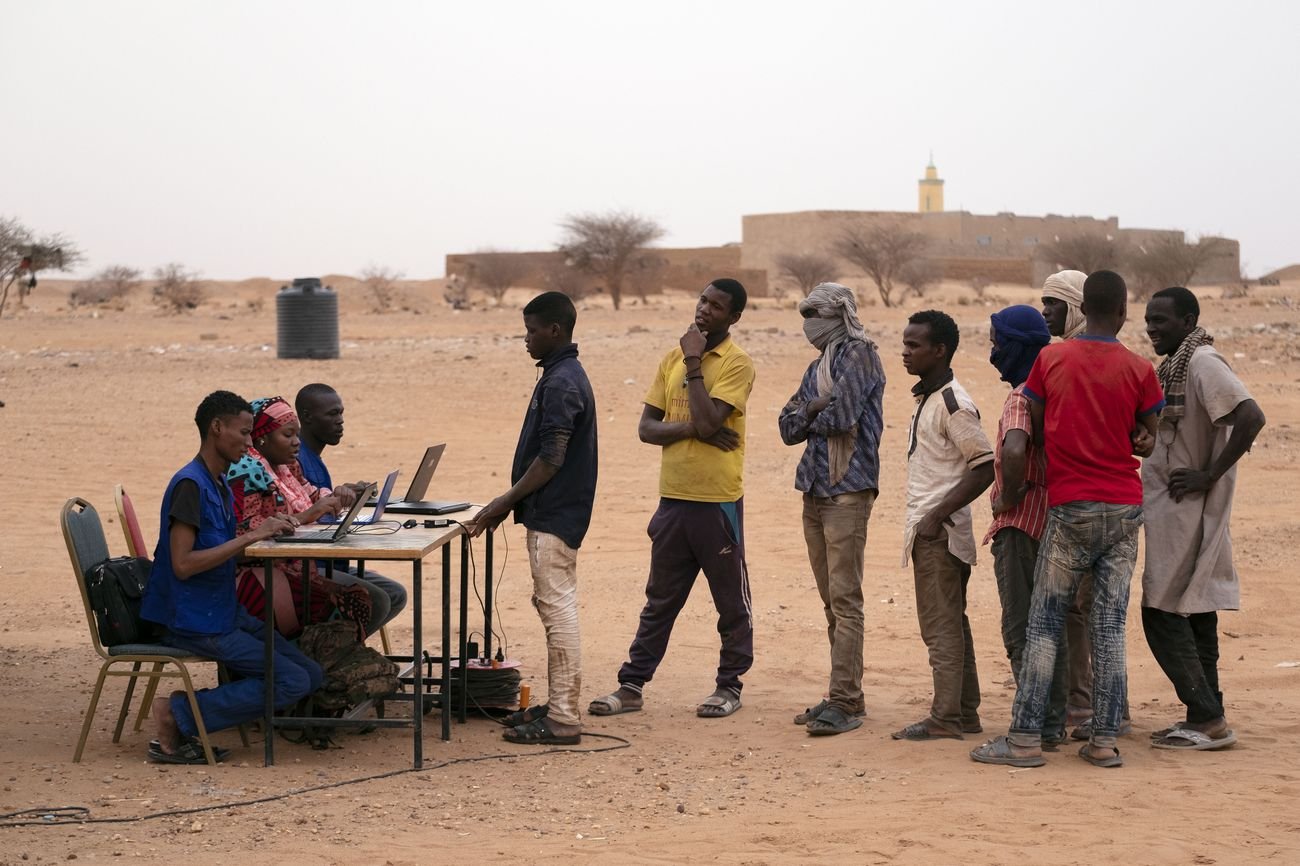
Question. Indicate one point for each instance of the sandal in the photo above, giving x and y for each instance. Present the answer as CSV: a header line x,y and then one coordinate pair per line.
x,y
998,751
538,733
1164,732
1188,740
920,731
189,752
811,712
218,752
1085,752
611,705
720,704
526,715
833,720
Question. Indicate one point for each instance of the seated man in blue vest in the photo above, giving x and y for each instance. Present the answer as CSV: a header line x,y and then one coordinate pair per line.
x,y
191,590
320,412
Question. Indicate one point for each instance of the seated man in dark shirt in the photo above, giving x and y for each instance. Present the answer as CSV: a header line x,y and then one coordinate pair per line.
x,y
191,591
320,412
554,478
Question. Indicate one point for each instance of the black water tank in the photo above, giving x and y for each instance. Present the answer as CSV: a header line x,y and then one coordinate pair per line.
x,y
307,320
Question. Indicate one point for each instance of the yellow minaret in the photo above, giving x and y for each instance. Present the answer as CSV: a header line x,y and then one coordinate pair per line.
x,y
930,190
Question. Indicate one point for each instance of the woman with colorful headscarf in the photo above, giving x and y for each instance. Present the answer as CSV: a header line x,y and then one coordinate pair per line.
x,y
268,481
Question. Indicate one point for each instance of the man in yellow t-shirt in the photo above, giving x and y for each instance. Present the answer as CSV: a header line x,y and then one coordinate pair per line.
x,y
695,411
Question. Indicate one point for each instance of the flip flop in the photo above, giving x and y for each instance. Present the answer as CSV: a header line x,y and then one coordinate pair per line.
x,y
718,705
1188,740
833,720
189,752
611,705
526,715
919,732
998,751
1085,752
538,733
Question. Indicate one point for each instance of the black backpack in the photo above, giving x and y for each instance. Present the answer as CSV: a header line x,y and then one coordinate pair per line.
x,y
116,589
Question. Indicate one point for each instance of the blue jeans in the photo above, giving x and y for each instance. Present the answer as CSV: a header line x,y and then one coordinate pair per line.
x,y
243,652
1096,538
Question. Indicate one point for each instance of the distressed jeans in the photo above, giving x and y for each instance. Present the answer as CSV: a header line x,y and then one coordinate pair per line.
x,y
1096,538
555,596
835,530
1015,559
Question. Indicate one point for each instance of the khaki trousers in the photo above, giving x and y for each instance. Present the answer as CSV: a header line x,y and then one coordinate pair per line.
x,y
555,595
941,580
835,530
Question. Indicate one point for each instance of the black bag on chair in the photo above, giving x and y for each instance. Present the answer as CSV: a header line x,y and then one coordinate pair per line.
x,y
116,590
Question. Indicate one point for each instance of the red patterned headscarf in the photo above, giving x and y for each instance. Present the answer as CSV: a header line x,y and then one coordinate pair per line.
x,y
270,414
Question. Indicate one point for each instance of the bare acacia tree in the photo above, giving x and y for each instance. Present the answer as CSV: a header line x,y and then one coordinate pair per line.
x,y
109,286
176,288
882,251
561,277
807,270
645,274
1085,251
380,281
1170,261
497,272
602,244
920,275
978,285
23,253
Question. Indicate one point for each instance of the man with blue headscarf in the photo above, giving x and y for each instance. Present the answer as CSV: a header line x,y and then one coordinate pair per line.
x,y
837,414
1019,496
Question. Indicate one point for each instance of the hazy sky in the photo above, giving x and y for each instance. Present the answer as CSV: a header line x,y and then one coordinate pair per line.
x,y
280,139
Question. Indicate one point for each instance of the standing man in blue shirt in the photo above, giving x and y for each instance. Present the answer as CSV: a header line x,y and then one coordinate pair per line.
x,y
554,487
191,591
320,412
837,414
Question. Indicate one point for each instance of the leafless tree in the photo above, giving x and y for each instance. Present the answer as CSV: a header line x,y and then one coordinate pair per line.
x,y
561,277
496,272
381,282
176,288
882,251
645,274
920,275
807,270
1085,251
1170,261
602,244
110,286
23,253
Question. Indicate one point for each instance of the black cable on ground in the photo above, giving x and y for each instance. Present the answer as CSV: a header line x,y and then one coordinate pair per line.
x,y
56,816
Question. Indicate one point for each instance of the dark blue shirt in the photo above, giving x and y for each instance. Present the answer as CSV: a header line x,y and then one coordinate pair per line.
x,y
560,427
203,603
856,397
313,468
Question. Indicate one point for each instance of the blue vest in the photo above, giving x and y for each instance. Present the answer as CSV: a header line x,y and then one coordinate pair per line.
x,y
204,603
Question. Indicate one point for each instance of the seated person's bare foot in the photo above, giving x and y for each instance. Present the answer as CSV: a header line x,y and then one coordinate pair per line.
x,y
169,735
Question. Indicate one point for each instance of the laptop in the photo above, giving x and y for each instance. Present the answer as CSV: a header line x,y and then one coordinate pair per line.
x,y
329,536
414,502
379,504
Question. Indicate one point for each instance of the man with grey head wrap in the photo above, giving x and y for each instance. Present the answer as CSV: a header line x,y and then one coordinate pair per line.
x,y
1063,302
837,414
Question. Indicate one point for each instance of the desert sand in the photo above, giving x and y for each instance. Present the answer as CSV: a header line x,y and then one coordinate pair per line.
x,y
96,398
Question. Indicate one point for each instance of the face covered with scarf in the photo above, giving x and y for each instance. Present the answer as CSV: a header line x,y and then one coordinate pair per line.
x,y
830,314
1062,302
1019,333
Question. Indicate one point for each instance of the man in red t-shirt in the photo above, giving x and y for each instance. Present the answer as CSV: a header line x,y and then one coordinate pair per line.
x,y
1095,404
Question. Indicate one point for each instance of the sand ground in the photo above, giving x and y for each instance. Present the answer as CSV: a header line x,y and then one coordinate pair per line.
x,y
98,398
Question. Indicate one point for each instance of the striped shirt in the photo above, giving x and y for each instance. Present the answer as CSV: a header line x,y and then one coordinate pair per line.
x,y
1030,516
855,400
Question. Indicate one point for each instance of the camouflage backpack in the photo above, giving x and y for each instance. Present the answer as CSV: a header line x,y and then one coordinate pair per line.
x,y
353,673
